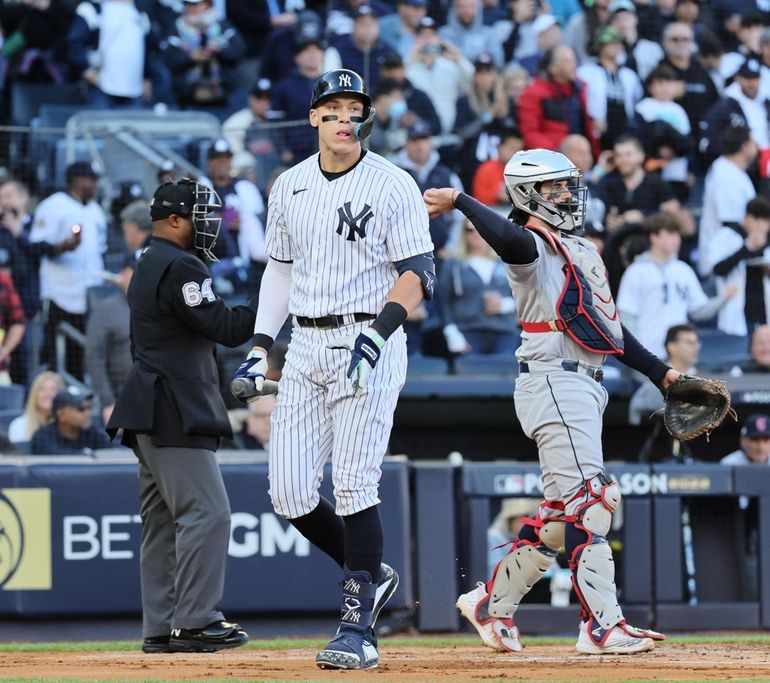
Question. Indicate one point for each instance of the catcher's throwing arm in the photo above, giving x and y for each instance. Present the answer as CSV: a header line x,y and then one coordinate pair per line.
x,y
244,389
696,406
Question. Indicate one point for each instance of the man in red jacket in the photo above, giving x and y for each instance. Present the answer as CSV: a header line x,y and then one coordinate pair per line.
x,y
554,105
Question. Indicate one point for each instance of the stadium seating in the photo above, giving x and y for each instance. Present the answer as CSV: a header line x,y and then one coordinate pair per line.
x,y
720,350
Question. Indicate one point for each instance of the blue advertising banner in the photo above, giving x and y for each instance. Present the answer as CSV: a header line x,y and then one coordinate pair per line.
x,y
69,542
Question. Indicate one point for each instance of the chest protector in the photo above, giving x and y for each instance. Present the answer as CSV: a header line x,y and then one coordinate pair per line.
x,y
585,308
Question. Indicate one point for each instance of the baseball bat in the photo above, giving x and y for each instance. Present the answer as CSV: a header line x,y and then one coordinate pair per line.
x,y
243,388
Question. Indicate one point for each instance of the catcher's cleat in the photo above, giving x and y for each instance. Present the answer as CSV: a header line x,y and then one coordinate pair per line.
x,y
386,587
216,636
349,650
621,639
496,632
156,645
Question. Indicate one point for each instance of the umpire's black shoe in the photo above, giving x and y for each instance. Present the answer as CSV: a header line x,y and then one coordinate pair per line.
x,y
216,636
156,644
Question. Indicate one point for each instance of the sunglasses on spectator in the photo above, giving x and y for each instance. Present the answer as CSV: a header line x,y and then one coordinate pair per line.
x,y
680,39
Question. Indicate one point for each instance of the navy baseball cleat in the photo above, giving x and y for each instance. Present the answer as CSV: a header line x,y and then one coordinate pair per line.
x,y
386,587
216,636
156,644
349,650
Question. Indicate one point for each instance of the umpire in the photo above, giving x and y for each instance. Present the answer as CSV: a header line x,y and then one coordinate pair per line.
x,y
173,416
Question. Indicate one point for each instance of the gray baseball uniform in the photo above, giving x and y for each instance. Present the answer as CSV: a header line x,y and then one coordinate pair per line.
x,y
567,431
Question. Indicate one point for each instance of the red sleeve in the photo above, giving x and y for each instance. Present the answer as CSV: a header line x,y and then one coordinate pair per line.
x,y
531,116
487,182
14,313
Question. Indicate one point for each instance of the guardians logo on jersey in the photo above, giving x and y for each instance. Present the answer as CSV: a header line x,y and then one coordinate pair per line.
x,y
25,539
356,224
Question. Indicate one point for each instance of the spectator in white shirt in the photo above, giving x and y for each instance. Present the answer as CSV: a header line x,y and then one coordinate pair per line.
x,y
65,279
438,68
658,290
108,48
612,89
646,405
666,127
727,190
741,257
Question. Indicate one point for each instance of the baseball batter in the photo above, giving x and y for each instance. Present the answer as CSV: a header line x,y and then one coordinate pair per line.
x,y
569,325
350,256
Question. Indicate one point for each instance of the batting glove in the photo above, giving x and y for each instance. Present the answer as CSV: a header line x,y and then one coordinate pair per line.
x,y
364,350
254,367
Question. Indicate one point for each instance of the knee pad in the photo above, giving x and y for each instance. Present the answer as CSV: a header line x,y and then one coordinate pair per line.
x,y
590,556
531,555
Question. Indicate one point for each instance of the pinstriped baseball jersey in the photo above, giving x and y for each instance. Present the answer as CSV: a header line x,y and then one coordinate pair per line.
x,y
344,234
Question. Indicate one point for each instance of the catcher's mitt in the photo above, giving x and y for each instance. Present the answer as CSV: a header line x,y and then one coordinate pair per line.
x,y
696,406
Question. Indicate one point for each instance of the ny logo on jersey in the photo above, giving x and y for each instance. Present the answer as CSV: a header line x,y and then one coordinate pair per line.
x,y
345,81
356,224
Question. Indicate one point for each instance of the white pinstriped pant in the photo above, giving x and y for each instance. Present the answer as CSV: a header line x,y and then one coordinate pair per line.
x,y
317,415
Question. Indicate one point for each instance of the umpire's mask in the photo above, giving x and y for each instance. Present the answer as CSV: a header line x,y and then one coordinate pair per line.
x,y
190,199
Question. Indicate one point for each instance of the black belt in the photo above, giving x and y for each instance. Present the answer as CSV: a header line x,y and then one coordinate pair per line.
x,y
573,366
330,321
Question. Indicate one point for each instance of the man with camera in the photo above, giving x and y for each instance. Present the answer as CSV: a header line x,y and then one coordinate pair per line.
x,y
433,60
72,215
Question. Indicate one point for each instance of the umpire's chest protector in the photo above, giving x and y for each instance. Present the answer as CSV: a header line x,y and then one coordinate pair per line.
x,y
172,391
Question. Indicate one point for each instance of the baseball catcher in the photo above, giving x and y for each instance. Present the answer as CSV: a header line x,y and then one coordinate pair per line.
x,y
569,326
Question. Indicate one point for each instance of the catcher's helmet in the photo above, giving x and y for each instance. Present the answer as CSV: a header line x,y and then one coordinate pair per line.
x,y
345,81
524,174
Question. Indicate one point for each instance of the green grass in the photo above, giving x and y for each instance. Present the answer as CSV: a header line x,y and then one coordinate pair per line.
x,y
395,642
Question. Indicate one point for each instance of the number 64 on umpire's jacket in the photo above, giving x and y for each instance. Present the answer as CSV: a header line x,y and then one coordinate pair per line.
x,y
172,391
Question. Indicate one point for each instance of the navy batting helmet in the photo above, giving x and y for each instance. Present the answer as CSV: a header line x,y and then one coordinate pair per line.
x,y
339,81
345,81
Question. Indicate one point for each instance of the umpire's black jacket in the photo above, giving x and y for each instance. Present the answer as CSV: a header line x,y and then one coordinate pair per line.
x,y
172,391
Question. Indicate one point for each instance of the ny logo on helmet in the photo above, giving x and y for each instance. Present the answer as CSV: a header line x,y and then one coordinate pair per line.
x,y
345,81
356,224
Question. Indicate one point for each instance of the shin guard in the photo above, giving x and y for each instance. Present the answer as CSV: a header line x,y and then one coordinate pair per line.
x,y
590,556
531,555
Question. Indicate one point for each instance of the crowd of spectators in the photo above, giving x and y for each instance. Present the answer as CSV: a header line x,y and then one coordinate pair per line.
x,y
663,104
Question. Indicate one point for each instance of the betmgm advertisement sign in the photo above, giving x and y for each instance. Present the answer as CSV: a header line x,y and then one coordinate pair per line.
x,y
25,539
70,543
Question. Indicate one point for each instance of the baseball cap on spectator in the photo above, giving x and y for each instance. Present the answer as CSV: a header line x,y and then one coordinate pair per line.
x,y
419,129
621,6
364,11
413,3
543,23
81,169
756,426
484,61
392,60
308,31
604,35
262,88
220,148
71,397
749,69
166,166
426,22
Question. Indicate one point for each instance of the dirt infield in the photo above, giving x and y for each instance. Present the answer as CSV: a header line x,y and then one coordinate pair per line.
x,y
679,662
